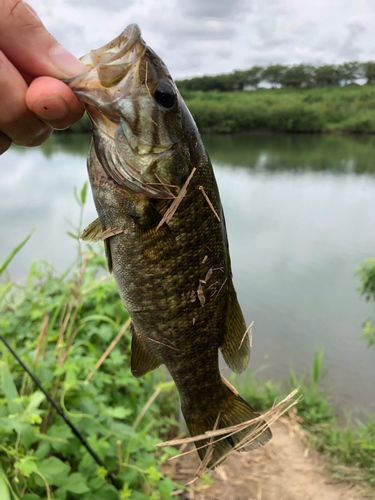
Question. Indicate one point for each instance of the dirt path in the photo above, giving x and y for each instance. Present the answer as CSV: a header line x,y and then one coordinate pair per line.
x,y
284,469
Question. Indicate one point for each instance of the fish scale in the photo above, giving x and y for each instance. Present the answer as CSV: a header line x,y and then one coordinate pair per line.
x,y
167,246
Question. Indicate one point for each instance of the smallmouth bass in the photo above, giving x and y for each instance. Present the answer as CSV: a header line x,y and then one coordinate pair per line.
x,y
163,227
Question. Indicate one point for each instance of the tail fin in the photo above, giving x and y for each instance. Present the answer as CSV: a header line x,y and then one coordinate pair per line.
x,y
233,410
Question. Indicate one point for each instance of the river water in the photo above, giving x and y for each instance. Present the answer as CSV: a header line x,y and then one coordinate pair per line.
x,y
300,214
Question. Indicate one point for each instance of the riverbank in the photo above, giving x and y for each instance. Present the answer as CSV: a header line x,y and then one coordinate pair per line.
x,y
285,469
348,447
349,109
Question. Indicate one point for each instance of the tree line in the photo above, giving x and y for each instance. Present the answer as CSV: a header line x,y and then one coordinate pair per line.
x,y
297,75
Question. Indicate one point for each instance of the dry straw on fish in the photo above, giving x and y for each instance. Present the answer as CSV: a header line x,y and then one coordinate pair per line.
x,y
175,203
201,189
258,426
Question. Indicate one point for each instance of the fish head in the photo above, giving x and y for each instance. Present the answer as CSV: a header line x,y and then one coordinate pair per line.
x,y
137,116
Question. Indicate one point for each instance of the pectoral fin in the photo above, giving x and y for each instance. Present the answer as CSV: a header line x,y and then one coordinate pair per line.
x,y
235,345
93,233
142,359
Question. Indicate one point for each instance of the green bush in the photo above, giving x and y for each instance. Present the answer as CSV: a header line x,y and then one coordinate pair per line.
x,y
362,122
347,109
60,326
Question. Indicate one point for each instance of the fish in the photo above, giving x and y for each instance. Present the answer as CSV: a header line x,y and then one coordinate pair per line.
x,y
163,227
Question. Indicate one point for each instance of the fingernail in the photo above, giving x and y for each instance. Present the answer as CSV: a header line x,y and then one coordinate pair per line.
x,y
66,62
51,108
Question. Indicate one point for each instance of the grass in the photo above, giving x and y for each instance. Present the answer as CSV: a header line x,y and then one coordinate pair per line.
x,y
349,449
348,109
60,326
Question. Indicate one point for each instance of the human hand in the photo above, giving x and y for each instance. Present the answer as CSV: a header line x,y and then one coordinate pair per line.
x,y
32,101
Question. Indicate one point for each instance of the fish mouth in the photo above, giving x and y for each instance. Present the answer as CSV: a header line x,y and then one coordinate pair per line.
x,y
108,65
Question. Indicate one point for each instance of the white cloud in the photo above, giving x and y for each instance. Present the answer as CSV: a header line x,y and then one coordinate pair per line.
x,y
215,36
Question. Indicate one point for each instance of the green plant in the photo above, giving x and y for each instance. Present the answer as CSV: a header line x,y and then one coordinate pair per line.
x,y
60,326
366,273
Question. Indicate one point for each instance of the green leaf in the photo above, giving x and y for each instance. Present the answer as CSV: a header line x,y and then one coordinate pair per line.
x,y
4,490
52,467
61,494
35,399
43,450
76,483
10,257
28,435
9,389
108,492
84,193
118,412
27,465
75,236
76,196
31,496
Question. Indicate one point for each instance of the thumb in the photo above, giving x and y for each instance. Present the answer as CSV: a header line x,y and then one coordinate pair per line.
x,y
30,47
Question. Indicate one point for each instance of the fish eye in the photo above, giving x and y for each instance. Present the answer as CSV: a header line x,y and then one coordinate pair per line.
x,y
165,95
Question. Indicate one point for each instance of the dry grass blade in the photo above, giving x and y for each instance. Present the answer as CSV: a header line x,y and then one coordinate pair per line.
x,y
271,415
175,203
249,329
109,349
210,448
201,189
146,407
42,336
274,412
108,233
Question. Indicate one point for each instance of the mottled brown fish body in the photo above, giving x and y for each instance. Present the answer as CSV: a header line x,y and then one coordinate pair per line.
x,y
173,272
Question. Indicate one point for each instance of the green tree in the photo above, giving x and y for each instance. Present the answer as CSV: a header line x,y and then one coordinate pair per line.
x,y
369,71
326,75
298,75
274,74
349,72
254,75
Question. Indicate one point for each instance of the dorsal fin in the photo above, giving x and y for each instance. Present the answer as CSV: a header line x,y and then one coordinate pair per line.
x,y
142,359
235,345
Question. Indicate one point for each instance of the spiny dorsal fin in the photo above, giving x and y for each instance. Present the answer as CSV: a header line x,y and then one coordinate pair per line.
x,y
92,231
142,359
234,347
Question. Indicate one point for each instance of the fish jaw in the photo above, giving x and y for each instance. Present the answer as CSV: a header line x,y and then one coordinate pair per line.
x,y
138,140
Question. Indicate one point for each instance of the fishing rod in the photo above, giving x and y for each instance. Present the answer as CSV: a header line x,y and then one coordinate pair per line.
x,y
115,483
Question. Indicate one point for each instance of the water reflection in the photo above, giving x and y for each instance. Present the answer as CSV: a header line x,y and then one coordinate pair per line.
x,y
300,213
295,152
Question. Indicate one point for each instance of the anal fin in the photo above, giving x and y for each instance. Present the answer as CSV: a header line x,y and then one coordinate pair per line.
x,y
142,359
235,346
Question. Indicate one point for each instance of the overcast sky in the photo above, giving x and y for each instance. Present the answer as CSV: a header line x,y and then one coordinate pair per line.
x,y
196,37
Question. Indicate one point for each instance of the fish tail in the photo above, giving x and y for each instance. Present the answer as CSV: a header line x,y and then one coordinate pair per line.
x,y
231,411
